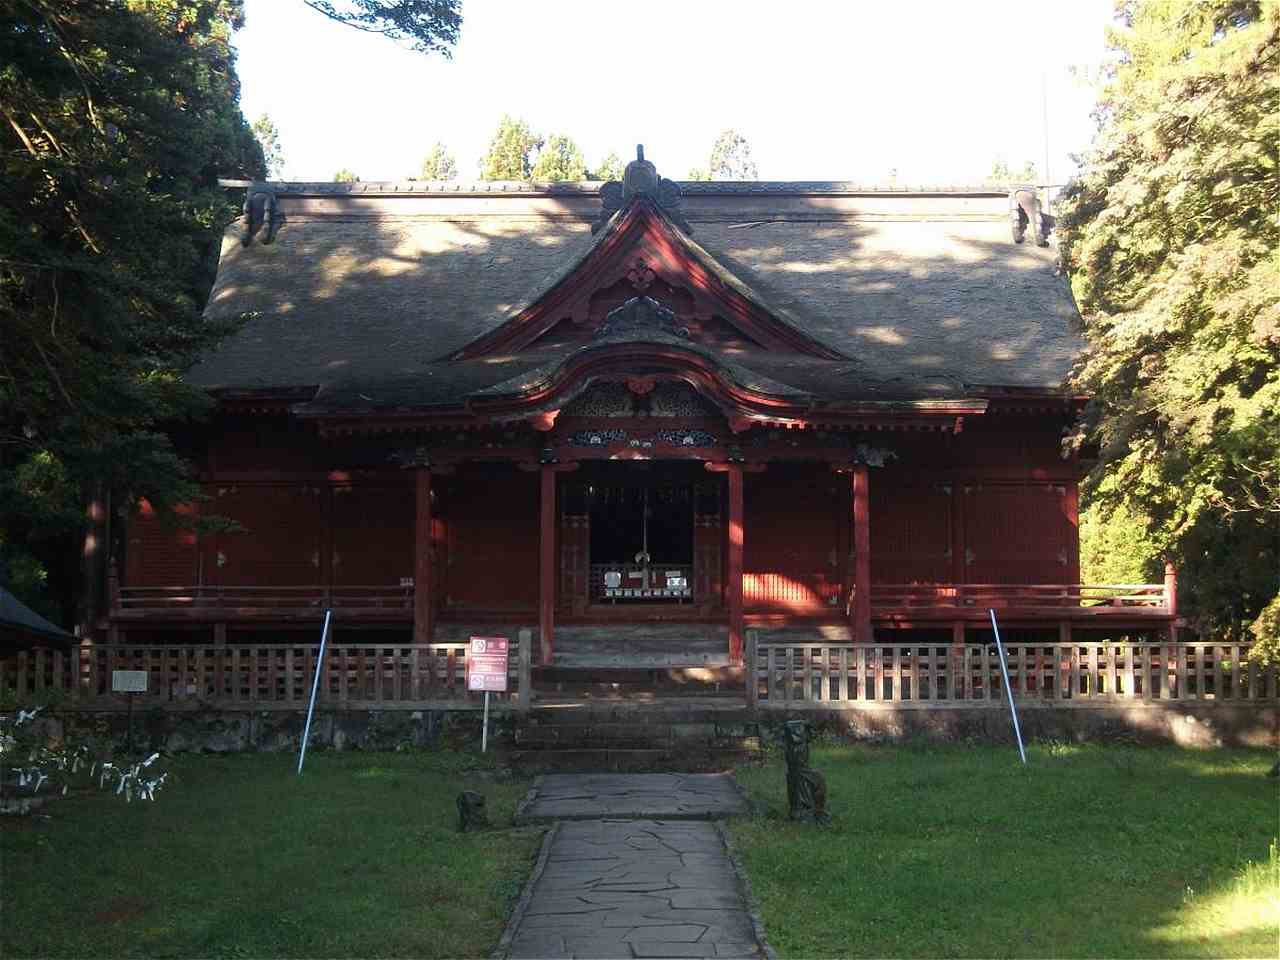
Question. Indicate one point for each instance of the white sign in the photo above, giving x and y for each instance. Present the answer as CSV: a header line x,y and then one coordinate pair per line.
x,y
128,681
487,664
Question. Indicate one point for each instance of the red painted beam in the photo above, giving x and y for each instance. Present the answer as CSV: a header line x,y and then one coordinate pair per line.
x,y
422,558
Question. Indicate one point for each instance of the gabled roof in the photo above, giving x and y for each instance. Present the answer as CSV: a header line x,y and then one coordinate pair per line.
x,y
366,292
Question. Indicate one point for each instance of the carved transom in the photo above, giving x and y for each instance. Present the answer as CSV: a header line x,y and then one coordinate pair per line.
x,y
641,315
616,399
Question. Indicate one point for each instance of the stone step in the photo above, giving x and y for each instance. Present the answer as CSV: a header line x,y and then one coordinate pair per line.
x,y
727,714
610,736
630,760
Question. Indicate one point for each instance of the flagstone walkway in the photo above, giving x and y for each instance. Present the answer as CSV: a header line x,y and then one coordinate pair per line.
x,y
644,887
667,796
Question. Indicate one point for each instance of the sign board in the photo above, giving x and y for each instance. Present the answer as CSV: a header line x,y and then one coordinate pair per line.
x,y
128,681
487,664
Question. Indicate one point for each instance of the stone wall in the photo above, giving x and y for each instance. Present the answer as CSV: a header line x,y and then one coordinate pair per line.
x,y
233,731
1203,725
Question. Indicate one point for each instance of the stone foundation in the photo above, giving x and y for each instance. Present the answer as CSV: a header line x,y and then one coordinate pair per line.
x,y
234,731
1203,725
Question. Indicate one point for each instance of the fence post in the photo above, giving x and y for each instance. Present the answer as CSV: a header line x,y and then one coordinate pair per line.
x,y
525,695
752,691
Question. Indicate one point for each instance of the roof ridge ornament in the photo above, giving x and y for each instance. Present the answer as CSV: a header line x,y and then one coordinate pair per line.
x,y
640,179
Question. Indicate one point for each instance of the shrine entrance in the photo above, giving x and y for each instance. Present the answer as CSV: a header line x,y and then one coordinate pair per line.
x,y
644,534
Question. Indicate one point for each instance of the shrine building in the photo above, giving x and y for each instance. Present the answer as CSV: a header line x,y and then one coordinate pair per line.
x,y
646,412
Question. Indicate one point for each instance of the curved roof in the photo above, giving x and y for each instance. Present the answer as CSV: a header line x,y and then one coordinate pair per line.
x,y
366,287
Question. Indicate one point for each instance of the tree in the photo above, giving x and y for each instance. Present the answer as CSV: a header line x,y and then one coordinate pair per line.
x,y
345,176
731,158
116,120
1002,173
1173,247
509,151
610,168
698,173
430,26
560,159
439,164
268,137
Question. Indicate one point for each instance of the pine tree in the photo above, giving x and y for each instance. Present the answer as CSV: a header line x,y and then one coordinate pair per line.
x,y
118,119
510,151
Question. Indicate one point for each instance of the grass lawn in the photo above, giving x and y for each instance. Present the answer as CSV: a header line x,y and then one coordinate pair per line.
x,y
238,857
1090,851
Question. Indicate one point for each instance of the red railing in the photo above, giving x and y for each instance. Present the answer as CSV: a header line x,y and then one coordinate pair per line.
x,y
1125,599
222,597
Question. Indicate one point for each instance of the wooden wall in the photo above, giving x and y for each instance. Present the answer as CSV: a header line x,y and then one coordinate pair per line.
x,y
796,539
491,516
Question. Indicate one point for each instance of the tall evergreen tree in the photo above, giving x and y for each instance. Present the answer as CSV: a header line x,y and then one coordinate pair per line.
x,y
558,160
510,151
1173,245
439,164
116,120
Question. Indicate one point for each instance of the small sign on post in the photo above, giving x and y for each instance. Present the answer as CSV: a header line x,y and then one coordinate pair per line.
x,y
130,682
487,672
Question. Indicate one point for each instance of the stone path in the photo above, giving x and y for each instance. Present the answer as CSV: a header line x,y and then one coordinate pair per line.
x,y
634,888
666,796
633,868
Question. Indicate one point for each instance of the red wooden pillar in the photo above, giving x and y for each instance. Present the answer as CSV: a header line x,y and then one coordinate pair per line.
x,y
736,540
422,558
861,613
733,562
546,563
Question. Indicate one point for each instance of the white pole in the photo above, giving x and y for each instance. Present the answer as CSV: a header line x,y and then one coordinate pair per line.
x,y
1008,689
315,689
484,731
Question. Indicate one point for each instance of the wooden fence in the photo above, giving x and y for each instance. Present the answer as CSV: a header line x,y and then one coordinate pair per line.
x,y
265,676
799,675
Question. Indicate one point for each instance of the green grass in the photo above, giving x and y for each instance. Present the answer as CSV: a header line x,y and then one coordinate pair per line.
x,y
1090,851
238,857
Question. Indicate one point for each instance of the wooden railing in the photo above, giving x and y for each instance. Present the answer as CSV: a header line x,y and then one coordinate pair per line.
x,y
795,675
265,676
347,598
1123,599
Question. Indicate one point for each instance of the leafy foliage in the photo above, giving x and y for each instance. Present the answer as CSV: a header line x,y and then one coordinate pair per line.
x,y
1002,172
510,151
698,173
430,26
439,164
731,158
116,119
610,168
345,175
268,137
559,159
1173,245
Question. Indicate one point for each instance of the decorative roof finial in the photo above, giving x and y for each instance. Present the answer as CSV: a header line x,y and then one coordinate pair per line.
x,y
640,179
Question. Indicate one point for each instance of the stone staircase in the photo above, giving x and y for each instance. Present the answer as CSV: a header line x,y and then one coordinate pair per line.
x,y
685,735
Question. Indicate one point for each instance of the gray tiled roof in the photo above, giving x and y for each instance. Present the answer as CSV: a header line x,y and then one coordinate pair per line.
x,y
367,287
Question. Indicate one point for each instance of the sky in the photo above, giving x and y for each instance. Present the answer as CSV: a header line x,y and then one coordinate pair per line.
x,y
931,91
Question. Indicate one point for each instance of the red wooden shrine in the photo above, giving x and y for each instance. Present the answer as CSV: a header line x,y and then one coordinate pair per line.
x,y
808,406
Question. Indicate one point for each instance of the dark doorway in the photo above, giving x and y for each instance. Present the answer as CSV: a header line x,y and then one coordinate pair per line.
x,y
641,532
